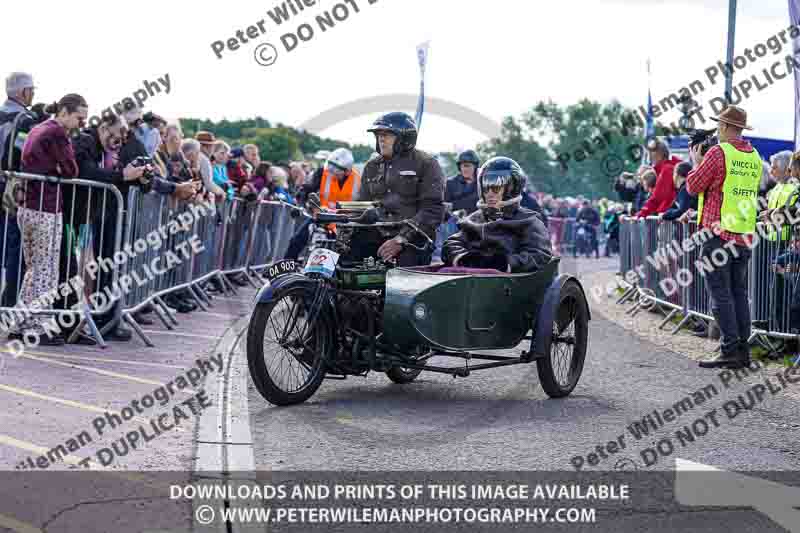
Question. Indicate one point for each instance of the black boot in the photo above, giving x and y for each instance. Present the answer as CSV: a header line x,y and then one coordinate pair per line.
x,y
744,348
732,357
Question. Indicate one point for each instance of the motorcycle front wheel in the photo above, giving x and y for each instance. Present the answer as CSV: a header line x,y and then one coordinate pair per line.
x,y
285,353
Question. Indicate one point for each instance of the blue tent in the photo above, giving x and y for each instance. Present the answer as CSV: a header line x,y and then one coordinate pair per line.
x,y
766,147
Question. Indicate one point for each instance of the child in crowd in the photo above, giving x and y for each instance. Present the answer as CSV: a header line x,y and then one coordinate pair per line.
x,y
261,180
684,201
280,181
220,176
649,179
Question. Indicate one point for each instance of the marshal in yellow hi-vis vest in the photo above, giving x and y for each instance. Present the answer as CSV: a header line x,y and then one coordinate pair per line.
x,y
739,192
777,199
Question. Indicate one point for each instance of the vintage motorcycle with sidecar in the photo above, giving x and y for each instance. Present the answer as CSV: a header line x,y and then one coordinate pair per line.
x,y
346,314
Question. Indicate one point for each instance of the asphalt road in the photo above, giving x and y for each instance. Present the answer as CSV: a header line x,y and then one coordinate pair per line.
x,y
501,420
494,421
50,395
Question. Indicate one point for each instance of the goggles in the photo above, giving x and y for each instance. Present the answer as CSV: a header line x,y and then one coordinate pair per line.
x,y
495,181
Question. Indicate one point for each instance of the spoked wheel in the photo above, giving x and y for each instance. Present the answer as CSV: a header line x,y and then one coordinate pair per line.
x,y
402,375
559,373
284,352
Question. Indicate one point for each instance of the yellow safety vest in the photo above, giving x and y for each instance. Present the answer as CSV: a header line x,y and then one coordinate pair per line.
x,y
739,191
776,199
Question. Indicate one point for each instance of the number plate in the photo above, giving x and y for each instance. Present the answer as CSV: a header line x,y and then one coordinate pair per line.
x,y
321,261
280,268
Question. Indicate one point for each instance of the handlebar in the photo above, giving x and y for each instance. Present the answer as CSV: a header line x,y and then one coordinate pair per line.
x,y
371,219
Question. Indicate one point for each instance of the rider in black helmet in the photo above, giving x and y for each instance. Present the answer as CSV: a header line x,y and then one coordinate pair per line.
x,y
462,189
408,182
501,234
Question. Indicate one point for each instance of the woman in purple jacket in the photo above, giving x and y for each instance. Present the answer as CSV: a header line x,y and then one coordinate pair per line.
x,y
47,151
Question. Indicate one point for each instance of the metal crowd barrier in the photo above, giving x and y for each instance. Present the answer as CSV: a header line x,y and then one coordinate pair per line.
x,y
275,223
238,238
55,251
562,235
238,233
174,248
560,232
101,261
667,275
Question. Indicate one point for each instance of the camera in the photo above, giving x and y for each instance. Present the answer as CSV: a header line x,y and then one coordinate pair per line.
x,y
705,138
146,162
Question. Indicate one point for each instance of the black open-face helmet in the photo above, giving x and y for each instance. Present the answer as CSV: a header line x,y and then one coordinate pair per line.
x,y
468,156
502,172
401,125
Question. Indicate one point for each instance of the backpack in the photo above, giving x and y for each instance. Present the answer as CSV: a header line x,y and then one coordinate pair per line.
x,y
13,194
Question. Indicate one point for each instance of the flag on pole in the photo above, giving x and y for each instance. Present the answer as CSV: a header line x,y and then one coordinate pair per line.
x,y
794,14
650,131
422,56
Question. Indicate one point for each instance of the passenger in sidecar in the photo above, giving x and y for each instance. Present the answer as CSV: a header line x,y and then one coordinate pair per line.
x,y
501,235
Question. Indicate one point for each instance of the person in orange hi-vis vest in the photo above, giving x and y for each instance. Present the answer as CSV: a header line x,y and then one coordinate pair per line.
x,y
338,182
335,182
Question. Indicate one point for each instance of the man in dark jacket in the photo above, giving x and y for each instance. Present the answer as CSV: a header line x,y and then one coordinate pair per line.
x,y
529,202
96,150
501,235
461,192
462,189
410,185
16,121
590,216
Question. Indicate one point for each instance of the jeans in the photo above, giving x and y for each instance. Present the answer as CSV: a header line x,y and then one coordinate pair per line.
x,y
11,241
105,228
727,286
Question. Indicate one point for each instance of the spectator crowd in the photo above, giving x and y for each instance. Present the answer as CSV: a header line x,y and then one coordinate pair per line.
x,y
43,223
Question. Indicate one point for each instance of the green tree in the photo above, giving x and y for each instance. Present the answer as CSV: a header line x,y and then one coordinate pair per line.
x,y
519,144
577,149
278,143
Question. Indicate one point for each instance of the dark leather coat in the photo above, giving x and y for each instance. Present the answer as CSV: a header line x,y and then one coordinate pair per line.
x,y
518,237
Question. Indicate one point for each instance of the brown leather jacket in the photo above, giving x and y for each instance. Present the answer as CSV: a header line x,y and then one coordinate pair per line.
x,y
411,186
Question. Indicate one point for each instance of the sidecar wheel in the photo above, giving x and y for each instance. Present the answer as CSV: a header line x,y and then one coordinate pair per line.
x,y
560,371
285,355
403,376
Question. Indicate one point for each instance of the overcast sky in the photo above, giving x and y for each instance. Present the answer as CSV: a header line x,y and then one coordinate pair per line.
x,y
497,58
